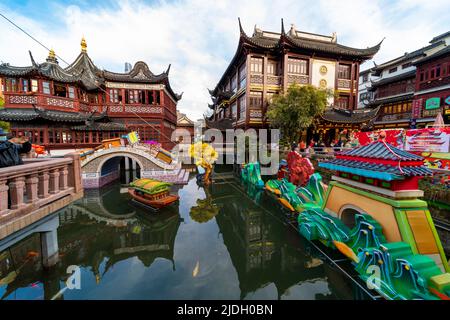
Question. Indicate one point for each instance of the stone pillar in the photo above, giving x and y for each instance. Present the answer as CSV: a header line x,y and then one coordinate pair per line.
x,y
3,198
54,181
49,245
127,163
43,185
32,188
63,173
127,177
133,164
17,190
74,174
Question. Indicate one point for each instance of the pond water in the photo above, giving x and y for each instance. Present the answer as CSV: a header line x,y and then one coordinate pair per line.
x,y
222,242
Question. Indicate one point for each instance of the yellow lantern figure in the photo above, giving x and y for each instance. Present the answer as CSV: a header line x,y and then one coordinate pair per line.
x,y
204,156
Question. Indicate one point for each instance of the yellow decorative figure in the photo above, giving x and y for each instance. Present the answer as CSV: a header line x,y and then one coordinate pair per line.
x,y
204,156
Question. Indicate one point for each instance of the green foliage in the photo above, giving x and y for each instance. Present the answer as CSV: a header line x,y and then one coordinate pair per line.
x,y
296,109
4,125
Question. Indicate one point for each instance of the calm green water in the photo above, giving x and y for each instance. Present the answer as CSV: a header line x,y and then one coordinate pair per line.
x,y
219,243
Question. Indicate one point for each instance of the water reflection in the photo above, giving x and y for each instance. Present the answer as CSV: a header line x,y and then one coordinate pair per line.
x,y
223,242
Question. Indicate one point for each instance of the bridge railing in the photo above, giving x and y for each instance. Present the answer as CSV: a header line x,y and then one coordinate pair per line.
x,y
36,184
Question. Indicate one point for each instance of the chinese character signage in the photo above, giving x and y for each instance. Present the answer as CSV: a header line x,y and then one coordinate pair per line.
x,y
432,103
428,139
417,108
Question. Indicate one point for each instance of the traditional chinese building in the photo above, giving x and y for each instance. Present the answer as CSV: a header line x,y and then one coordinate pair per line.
x,y
267,63
80,105
393,85
183,122
432,90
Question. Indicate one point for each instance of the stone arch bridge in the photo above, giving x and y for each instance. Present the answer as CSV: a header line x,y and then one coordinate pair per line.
x,y
102,166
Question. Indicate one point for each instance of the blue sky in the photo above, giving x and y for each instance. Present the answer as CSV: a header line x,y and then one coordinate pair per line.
x,y
199,37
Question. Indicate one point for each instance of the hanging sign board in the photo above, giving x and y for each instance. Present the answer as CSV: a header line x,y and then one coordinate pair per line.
x,y
417,108
432,103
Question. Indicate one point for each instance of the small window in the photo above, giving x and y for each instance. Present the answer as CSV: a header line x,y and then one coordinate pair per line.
x,y
406,65
256,99
344,71
242,107
72,92
59,90
25,86
272,67
34,85
438,71
392,70
46,87
256,65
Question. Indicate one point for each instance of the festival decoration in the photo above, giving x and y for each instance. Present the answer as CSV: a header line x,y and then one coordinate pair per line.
x,y
370,213
204,156
251,173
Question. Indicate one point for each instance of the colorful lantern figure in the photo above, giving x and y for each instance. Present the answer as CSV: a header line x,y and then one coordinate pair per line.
x,y
38,149
132,137
204,156
300,169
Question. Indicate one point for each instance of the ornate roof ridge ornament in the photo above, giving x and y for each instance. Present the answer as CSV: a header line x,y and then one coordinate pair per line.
x,y
52,57
33,62
83,45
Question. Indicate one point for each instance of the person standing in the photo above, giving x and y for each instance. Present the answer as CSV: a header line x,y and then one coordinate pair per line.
x,y
10,150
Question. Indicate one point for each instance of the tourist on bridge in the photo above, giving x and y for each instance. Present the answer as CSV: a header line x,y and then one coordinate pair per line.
x,y
11,149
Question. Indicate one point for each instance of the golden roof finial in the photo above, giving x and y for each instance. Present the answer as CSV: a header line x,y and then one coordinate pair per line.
x,y
83,45
51,54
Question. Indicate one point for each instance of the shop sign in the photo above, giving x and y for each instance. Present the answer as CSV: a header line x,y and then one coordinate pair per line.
x,y
416,108
433,103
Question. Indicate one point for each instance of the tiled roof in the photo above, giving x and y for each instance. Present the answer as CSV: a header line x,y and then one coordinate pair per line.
x,y
275,39
88,72
402,76
403,97
407,56
347,116
50,70
36,113
101,126
444,51
374,170
18,115
221,124
381,150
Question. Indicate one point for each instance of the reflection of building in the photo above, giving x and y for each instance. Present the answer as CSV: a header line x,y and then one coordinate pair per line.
x,y
65,99
254,243
394,85
267,63
98,229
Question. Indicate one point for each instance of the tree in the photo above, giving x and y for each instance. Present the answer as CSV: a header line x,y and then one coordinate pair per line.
x,y
296,109
3,125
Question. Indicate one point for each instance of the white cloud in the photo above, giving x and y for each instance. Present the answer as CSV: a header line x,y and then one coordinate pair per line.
x,y
199,37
